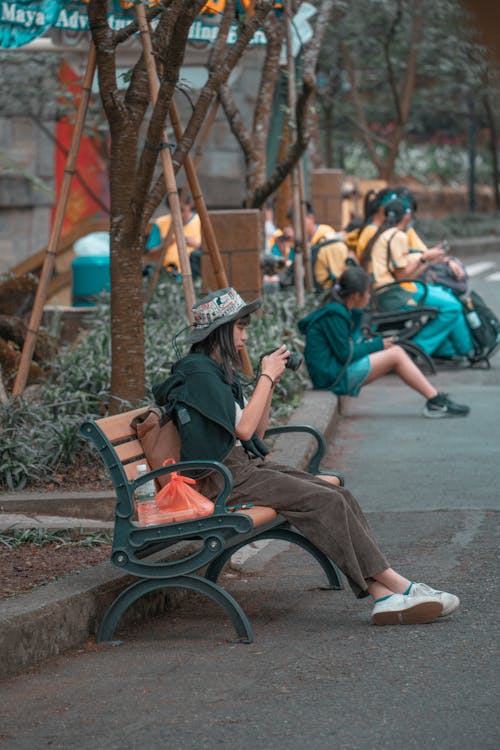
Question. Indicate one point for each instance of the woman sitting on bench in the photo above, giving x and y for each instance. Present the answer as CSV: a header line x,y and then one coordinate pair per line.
x,y
340,360
215,422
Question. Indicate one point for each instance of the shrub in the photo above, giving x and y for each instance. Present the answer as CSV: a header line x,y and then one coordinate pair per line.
x,y
41,437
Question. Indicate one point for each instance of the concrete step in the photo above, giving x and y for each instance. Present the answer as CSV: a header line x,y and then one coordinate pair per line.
x,y
99,505
19,521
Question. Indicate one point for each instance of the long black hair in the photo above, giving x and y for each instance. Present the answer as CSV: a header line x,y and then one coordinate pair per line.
x,y
221,343
394,211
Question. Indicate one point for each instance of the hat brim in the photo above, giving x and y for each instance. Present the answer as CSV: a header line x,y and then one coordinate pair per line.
x,y
198,333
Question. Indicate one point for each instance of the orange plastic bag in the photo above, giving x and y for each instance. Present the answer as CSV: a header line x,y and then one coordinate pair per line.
x,y
178,501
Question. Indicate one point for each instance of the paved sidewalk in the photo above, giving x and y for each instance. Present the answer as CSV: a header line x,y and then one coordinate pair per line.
x,y
318,675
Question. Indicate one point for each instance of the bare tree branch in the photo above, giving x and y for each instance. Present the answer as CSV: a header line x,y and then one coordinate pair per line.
x,y
221,68
387,55
362,121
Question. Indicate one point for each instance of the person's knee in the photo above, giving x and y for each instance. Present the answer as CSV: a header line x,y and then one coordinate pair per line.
x,y
329,478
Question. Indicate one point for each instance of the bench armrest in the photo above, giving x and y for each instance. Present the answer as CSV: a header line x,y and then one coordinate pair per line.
x,y
417,282
317,457
182,466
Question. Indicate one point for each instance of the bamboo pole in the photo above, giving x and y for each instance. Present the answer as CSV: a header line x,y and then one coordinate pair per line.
x,y
153,279
201,207
55,234
207,228
298,258
168,239
168,168
207,127
308,270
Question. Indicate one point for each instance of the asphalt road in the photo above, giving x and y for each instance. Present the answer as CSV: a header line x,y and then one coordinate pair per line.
x,y
318,675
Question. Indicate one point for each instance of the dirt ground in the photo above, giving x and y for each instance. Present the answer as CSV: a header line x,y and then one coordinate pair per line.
x,y
30,565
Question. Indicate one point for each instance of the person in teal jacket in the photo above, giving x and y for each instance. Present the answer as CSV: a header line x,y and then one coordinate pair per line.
x,y
340,360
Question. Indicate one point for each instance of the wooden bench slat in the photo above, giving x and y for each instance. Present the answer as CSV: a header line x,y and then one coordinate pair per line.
x,y
127,451
260,514
118,426
131,468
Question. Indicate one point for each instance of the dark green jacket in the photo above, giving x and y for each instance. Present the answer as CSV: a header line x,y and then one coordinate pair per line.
x,y
201,402
333,337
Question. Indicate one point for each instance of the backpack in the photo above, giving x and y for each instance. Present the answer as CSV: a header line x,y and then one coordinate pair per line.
x,y
483,325
439,273
314,250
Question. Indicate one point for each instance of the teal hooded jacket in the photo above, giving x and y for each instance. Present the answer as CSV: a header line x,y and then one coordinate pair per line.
x,y
333,337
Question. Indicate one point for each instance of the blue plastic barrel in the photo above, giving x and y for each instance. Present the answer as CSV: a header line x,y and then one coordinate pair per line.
x,y
90,277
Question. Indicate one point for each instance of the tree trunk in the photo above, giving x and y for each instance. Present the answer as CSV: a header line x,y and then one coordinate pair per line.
x,y
493,140
127,351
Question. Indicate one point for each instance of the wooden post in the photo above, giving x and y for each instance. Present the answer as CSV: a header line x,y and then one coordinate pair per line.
x,y
201,206
308,270
166,242
298,259
194,184
168,167
55,234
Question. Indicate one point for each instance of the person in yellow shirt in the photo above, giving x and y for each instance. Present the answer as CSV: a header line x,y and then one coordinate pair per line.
x,y
329,253
373,219
388,259
457,274
160,233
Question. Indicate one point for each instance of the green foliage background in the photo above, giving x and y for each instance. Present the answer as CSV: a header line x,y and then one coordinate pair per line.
x,y
39,437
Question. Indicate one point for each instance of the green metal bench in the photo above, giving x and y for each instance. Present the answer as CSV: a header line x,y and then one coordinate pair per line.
x,y
217,536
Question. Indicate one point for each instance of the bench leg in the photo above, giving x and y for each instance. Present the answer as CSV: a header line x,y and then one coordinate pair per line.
x,y
286,535
200,585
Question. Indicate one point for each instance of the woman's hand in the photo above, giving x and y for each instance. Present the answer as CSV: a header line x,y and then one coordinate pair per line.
x,y
255,415
389,341
273,365
434,254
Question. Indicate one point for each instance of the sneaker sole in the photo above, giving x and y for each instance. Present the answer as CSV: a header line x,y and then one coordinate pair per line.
x,y
442,414
419,614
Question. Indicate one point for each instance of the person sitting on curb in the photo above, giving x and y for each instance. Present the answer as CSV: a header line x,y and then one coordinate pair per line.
x,y
387,257
340,360
215,422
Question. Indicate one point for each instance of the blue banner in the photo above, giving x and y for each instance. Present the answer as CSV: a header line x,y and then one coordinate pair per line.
x,y
21,21
25,20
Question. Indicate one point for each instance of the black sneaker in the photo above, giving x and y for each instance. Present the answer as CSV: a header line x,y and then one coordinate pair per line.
x,y
441,406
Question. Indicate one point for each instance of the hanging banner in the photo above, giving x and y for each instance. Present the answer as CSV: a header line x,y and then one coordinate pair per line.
x,y
25,20
86,197
22,21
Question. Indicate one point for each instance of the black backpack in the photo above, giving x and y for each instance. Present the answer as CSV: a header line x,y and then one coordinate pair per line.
x,y
483,325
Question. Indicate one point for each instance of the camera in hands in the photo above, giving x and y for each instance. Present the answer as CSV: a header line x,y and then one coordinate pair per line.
x,y
293,362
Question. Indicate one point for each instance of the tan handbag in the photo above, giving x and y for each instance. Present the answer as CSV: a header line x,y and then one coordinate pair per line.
x,y
158,441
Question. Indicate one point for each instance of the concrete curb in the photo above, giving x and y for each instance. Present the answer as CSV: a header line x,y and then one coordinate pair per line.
x,y
65,613
470,246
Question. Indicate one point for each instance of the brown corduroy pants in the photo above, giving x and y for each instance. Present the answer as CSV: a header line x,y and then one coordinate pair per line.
x,y
329,516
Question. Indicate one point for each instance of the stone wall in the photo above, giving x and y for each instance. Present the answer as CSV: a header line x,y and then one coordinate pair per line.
x,y
240,236
24,208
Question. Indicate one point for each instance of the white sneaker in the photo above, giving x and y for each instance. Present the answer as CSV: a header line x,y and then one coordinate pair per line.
x,y
399,609
450,602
